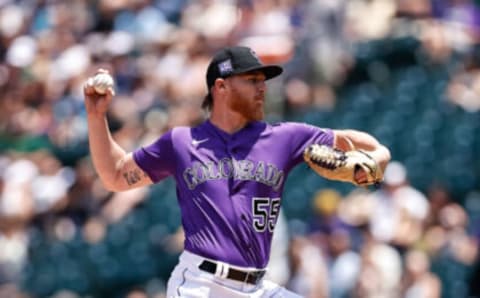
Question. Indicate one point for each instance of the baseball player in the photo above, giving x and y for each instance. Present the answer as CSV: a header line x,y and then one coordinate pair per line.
x,y
230,173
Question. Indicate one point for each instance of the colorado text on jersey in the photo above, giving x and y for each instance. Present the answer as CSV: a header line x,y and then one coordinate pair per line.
x,y
260,171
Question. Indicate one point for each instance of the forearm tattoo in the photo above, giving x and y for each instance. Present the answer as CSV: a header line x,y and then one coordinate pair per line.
x,y
134,176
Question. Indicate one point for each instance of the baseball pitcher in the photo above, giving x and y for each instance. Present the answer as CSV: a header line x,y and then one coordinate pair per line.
x,y
230,173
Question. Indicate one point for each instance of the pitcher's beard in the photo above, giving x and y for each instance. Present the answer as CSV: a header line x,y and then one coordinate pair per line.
x,y
251,109
253,112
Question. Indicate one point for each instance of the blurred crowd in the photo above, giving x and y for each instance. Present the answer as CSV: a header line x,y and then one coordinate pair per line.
x,y
397,241
391,242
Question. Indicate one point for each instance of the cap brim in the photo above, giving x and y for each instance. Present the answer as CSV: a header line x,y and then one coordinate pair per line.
x,y
270,71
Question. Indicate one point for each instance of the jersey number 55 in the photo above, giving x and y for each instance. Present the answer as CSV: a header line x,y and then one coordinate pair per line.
x,y
265,212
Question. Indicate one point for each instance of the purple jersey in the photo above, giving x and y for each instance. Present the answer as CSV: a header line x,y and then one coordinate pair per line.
x,y
229,186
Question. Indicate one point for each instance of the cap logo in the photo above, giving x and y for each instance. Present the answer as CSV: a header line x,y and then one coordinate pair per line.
x,y
225,67
255,56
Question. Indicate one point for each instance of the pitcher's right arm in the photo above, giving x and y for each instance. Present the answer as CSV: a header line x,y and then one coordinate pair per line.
x,y
116,168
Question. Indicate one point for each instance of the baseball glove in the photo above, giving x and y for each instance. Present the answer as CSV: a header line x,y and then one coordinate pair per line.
x,y
337,165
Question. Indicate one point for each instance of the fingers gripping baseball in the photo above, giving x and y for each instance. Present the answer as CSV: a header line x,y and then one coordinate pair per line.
x,y
98,91
355,166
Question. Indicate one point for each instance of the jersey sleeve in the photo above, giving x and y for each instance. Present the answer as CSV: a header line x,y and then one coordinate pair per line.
x,y
303,135
157,159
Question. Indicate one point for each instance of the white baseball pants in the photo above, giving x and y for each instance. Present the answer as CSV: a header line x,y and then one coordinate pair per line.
x,y
188,281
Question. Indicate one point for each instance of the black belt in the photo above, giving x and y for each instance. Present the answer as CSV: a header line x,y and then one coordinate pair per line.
x,y
251,277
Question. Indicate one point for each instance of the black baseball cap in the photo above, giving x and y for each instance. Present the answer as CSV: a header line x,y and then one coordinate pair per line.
x,y
233,61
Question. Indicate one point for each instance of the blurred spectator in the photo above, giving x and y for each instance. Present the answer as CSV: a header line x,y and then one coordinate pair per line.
x,y
459,244
464,90
414,8
438,197
417,280
399,210
355,208
333,237
325,204
309,277
376,26
343,264
137,294
380,270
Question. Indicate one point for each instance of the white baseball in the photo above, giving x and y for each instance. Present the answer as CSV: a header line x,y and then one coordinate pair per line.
x,y
101,82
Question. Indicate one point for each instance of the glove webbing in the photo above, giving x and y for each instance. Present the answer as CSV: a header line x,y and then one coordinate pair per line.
x,y
329,158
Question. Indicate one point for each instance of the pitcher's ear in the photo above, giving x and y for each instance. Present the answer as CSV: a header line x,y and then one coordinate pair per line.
x,y
220,83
